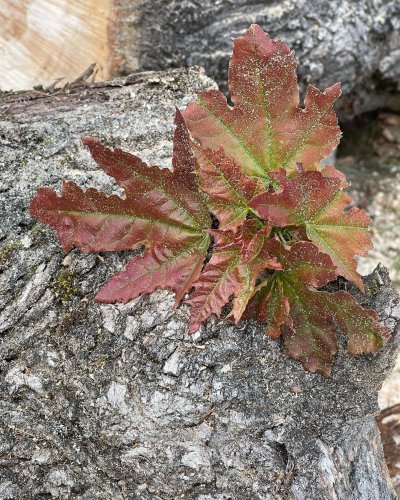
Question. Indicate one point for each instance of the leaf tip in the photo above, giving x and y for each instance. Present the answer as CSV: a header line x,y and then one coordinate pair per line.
x,y
89,141
335,89
193,328
101,296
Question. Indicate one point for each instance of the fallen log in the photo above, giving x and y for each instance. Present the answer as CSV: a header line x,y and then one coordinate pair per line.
x,y
117,401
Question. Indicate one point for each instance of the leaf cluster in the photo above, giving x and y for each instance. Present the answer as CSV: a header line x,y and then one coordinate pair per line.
x,y
284,229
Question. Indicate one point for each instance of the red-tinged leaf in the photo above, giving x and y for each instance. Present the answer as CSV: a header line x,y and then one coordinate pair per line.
x,y
217,282
317,202
256,257
175,193
361,326
93,221
162,209
316,313
229,190
228,274
305,263
159,206
265,130
175,268
312,338
307,317
240,238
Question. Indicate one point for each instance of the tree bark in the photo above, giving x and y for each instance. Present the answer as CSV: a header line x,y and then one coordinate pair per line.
x,y
352,41
117,401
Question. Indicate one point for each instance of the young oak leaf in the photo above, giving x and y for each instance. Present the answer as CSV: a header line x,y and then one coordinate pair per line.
x,y
317,202
255,258
160,267
265,130
217,282
230,272
308,318
151,213
229,190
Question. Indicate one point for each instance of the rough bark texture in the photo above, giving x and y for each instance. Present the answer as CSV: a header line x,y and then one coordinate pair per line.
x,y
353,41
117,401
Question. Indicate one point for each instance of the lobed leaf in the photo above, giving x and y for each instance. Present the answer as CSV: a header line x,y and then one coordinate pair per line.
x,y
317,202
265,130
162,209
93,221
218,281
160,267
230,272
307,318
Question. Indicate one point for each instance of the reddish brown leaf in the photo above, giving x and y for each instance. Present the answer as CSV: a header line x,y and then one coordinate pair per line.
x,y
256,256
265,130
160,205
162,209
318,202
93,221
229,190
229,274
159,267
312,339
217,282
306,317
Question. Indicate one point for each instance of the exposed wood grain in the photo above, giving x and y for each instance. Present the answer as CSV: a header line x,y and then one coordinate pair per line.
x,y
41,40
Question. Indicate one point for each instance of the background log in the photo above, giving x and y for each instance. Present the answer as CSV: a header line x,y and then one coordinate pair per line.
x,y
117,401
352,41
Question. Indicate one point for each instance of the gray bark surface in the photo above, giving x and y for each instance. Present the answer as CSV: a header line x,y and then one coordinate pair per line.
x,y
353,41
117,401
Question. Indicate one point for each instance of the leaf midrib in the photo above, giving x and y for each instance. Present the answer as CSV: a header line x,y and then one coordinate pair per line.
x,y
169,195
244,147
133,218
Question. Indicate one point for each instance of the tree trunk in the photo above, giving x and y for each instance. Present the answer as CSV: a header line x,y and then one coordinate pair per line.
x,y
117,401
